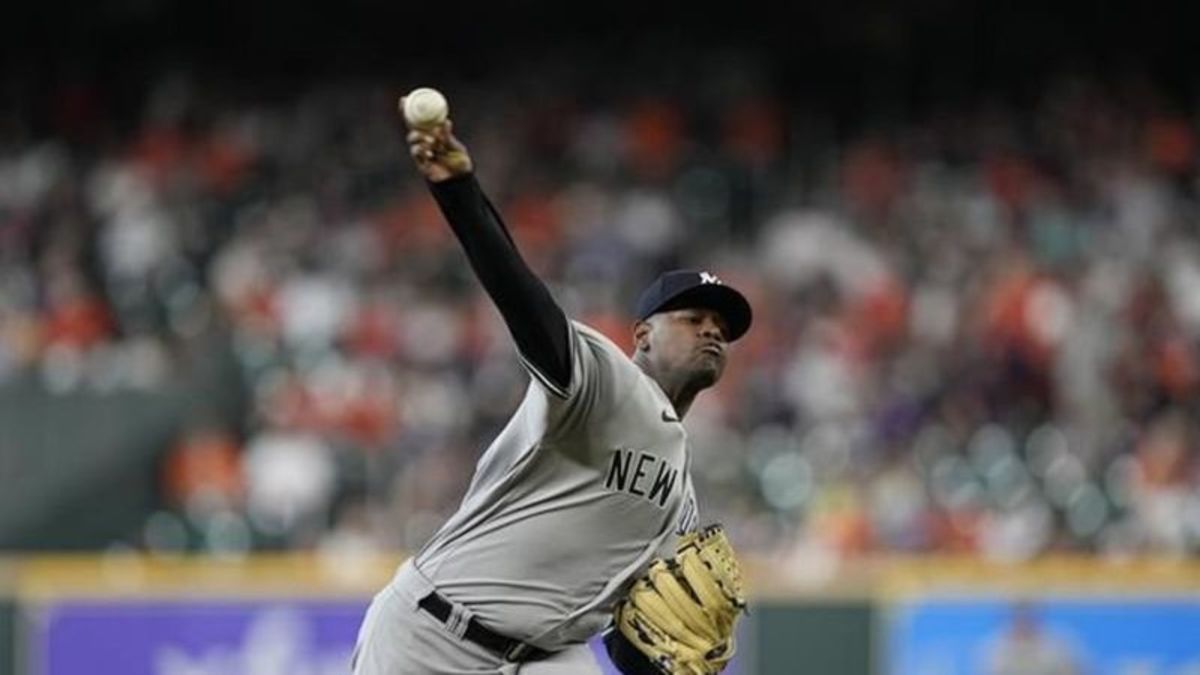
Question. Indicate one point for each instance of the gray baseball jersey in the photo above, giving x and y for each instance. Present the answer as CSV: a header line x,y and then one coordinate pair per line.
x,y
576,495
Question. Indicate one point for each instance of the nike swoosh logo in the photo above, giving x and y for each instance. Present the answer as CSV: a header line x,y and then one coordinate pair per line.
x,y
666,417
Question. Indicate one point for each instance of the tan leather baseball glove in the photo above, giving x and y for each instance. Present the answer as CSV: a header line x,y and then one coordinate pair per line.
x,y
681,615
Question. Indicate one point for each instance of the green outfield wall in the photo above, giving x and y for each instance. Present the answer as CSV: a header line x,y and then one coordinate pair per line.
x,y
812,636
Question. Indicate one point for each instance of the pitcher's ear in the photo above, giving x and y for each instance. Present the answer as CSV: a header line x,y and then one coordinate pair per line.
x,y
641,336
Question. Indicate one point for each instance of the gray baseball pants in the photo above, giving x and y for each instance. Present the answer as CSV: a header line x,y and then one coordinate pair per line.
x,y
399,638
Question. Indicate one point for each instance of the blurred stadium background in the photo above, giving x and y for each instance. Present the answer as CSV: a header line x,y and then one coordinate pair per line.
x,y
244,367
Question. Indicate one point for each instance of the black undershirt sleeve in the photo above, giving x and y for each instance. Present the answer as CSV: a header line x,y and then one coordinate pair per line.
x,y
538,325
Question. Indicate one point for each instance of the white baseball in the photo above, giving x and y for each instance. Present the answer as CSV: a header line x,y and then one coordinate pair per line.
x,y
425,107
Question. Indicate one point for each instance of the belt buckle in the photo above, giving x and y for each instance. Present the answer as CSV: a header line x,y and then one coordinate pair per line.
x,y
514,653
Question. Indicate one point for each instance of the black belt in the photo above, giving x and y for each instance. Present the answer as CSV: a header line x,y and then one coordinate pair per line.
x,y
512,650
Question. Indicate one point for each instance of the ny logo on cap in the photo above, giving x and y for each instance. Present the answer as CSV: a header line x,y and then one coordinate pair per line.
x,y
709,278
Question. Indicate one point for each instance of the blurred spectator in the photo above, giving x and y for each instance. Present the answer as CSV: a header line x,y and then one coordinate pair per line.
x,y
203,473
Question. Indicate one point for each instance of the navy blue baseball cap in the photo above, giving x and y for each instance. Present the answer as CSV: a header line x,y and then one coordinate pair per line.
x,y
680,289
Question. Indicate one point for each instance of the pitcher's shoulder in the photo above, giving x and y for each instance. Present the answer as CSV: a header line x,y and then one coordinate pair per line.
x,y
598,341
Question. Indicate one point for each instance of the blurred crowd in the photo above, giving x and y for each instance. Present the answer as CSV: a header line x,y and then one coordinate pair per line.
x,y
975,330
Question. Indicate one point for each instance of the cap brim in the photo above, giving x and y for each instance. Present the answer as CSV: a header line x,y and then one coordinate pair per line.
x,y
724,300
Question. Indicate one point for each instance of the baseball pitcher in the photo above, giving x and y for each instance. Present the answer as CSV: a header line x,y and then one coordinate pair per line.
x,y
581,516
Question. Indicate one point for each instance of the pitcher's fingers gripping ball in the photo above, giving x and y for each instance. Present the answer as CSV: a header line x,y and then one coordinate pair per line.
x,y
431,141
424,108
679,619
